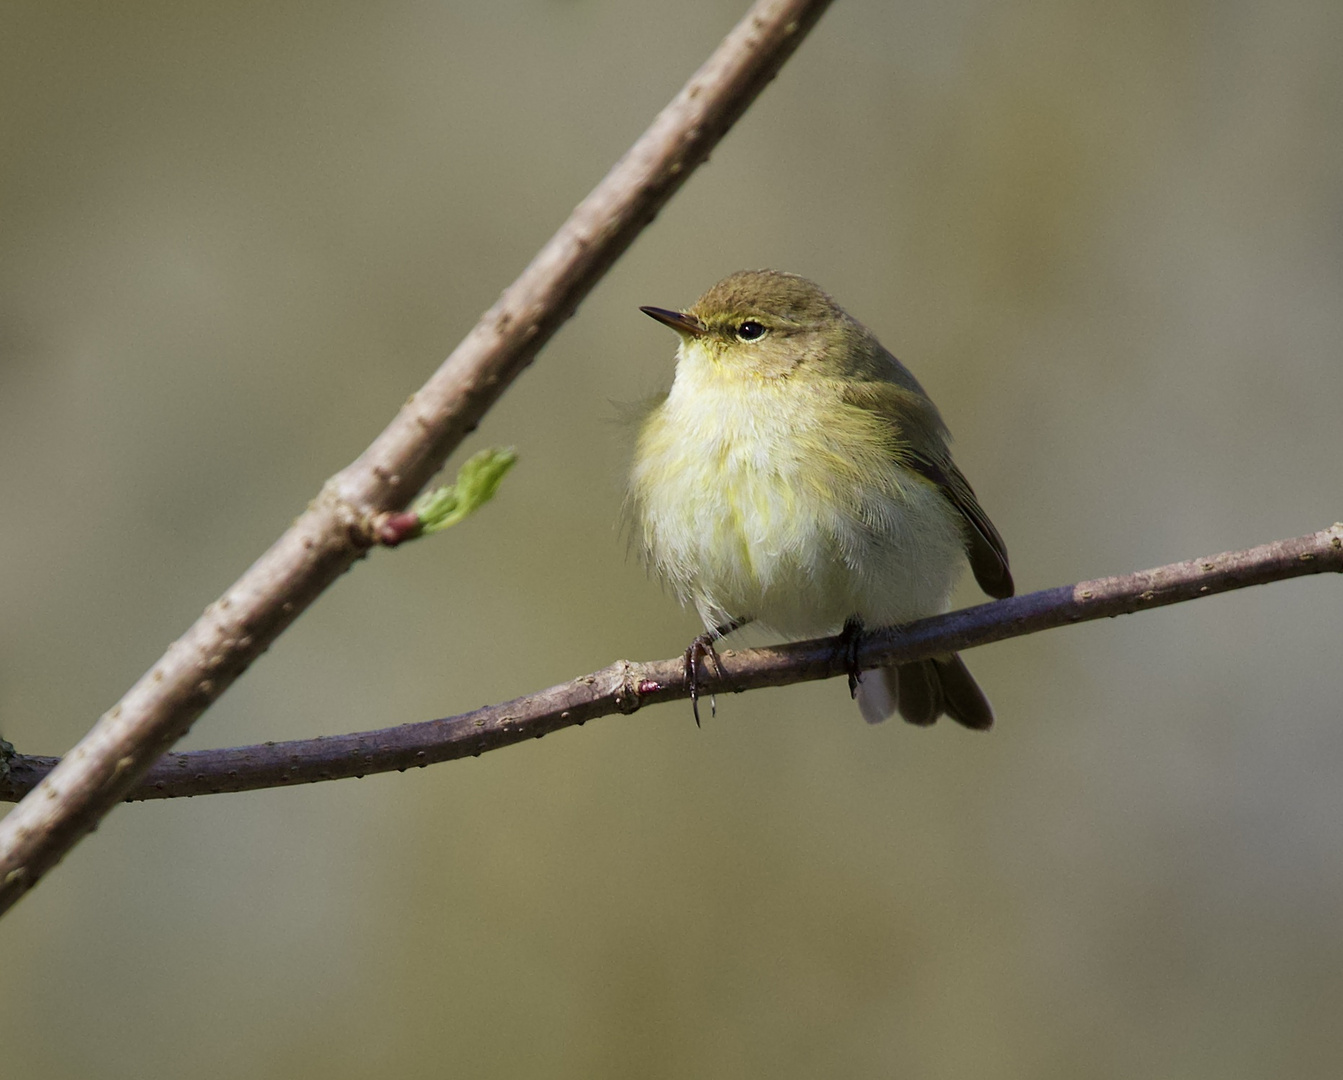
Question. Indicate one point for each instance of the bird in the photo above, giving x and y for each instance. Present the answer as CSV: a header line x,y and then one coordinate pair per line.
x,y
797,476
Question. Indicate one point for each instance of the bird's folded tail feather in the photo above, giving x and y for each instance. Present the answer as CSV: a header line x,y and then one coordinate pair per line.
x,y
924,690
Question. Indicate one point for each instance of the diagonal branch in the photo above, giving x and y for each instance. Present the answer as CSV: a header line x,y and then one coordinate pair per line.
x,y
340,525
625,687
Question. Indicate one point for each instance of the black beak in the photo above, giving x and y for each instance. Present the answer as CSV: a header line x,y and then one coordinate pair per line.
x,y
677,320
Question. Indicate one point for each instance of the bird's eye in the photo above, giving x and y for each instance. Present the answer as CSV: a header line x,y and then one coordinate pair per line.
x,y
750,330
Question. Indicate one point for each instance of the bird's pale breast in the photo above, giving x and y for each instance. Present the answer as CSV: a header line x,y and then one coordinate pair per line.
x,y
758,497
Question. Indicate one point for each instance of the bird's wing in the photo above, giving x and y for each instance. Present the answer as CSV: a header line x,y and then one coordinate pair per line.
x,y
983,544
915,421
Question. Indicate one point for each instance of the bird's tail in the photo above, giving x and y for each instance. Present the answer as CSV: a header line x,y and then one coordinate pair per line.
x,y
923,691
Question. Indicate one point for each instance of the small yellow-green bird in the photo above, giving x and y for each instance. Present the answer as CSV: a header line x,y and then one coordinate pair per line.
x,y
797,476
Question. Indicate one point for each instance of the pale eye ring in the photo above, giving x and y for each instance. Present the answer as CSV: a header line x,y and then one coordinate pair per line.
x,y
751,330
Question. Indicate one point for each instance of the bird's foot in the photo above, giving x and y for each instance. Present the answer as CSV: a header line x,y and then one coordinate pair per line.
x,y
849,640
702,648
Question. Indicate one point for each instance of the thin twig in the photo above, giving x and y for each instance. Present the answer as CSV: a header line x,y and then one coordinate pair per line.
x,y
625,687
341,524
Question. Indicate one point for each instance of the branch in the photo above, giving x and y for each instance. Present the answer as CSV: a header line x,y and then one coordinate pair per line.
x,y
625,687
343,522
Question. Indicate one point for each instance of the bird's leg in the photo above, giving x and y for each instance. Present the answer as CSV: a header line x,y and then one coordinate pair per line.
x,y
703,648
849,640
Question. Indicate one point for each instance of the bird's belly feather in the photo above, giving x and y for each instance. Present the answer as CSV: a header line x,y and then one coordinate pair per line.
x,y
773,514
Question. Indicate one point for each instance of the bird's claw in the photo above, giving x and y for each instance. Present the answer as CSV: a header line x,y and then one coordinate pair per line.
x,y
850,638
702,648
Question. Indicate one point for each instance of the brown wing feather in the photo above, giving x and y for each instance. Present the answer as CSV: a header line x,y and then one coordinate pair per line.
x,y
916,421
983,544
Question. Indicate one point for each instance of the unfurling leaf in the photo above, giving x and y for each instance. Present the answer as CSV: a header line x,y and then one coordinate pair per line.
x,y
477,481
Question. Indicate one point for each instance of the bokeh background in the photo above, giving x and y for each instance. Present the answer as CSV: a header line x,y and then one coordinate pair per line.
x,y
1108,239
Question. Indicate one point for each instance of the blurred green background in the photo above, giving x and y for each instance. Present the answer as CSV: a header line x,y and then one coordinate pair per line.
x,y
1107,238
